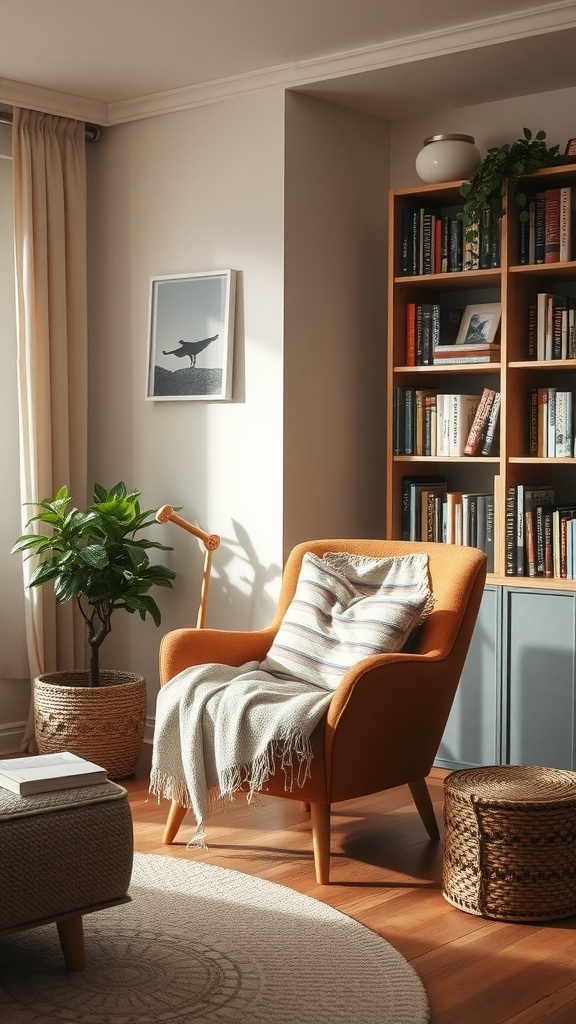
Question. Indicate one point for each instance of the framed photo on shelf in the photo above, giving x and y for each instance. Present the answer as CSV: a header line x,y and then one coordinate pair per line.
x,y
479,324
191,335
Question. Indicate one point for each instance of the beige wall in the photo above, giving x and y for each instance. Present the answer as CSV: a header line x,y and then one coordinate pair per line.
x,y
336,193
492,124
193,191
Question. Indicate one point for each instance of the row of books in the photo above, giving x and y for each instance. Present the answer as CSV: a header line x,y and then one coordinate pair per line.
x,y
551,423
546,228
540,536
435,240
425,422
552,327
438,334
430,512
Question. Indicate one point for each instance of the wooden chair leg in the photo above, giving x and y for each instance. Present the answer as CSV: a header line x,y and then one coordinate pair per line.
x,y
321,841
71,935
421,797
175,818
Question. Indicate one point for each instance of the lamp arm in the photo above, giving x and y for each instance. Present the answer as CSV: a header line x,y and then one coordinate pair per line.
x,y
210,540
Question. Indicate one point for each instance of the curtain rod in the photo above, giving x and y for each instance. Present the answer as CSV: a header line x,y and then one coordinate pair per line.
x,y
92,131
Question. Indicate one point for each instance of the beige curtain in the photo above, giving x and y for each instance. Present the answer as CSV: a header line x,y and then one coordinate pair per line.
x,y
50,243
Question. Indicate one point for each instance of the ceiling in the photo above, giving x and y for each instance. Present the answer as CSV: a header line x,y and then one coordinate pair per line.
x,y
116,60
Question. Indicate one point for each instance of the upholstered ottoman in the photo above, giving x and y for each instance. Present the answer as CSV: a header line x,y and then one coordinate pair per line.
x,y
62,855
510,842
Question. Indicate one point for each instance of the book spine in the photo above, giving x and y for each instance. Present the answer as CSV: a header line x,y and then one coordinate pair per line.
x,y
511,532
405,232
488,444
552,225
520,560
398,420
539,528
437,268
445,244
565,224
542,422
540,228
410,334
479,423
456,244
462,412
490,532
485,239
530,535
426,345
548,551
551,430
409,421
533,423
440,360
532,331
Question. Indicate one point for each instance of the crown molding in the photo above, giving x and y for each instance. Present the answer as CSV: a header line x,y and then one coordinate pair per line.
x,y
500,29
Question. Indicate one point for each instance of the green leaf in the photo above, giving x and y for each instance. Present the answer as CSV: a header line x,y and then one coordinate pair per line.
x,y
95,555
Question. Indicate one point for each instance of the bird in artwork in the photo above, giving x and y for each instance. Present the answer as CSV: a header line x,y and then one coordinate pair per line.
x,y
190,348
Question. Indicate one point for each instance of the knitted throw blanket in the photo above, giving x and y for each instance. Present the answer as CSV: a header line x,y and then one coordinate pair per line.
x,y
219,728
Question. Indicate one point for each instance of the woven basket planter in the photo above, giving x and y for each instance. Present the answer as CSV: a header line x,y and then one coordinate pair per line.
x,y
104,724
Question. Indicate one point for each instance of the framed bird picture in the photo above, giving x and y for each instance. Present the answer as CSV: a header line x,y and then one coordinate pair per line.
x,y
191,336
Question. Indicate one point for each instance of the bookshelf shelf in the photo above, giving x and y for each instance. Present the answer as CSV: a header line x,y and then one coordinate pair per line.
x,y
459,368
518,377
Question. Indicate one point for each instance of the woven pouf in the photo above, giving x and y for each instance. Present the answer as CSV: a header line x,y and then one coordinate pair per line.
x,y
62,855
510,842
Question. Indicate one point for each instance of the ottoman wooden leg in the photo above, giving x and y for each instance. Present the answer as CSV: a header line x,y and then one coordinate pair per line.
x,y
71,934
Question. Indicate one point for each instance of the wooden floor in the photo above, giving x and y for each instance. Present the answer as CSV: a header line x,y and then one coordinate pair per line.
x,y
386,873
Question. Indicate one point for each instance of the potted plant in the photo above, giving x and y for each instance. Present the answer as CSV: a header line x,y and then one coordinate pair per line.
x,y
503,165
98,557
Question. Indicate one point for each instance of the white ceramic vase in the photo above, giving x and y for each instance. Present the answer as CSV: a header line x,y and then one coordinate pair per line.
x,y
447,158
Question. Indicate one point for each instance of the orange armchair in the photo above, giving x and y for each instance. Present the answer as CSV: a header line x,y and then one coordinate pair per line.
x,y
387,716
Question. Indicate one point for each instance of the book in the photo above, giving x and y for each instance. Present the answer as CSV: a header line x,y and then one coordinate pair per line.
x,y
566,223
450,320
552,225
410,334
531,496
480,422
44,773
489,441
407,482
462,410
511,531
490,532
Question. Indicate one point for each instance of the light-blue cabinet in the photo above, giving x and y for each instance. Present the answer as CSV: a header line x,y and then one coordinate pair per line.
x,y
472,734
538,713
516,701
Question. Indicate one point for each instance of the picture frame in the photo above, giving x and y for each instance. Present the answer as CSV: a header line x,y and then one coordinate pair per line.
x,y
480,324
570,151
191,335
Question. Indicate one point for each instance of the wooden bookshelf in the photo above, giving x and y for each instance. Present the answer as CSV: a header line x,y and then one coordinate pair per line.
x,y
516,286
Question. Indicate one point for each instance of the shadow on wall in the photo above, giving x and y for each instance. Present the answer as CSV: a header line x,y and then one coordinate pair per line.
x,y
256,577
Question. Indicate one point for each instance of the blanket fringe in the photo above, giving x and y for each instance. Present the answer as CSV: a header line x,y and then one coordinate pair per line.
x,y
292,753
170,787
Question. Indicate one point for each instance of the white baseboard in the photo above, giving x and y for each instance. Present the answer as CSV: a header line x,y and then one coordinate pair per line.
x,y
11,736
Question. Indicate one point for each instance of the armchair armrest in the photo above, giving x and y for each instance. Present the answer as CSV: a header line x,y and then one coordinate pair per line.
x,y
182,648
377,706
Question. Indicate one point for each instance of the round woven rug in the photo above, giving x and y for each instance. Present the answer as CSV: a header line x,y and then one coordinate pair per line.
x,y
204,944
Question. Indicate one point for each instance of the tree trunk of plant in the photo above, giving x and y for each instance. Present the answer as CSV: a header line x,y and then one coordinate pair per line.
x,y
94,667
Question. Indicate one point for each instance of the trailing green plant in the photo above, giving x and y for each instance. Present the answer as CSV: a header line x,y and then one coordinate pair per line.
x,y
98,557
504,165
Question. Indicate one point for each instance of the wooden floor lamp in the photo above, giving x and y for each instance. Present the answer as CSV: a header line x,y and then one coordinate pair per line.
x,y
210,541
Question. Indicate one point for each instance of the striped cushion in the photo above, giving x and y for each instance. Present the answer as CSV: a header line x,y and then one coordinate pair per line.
x,y
346,608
